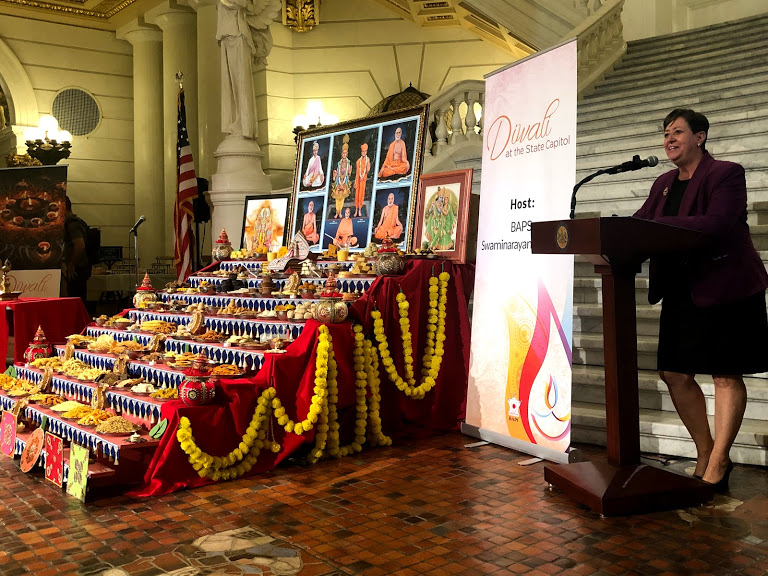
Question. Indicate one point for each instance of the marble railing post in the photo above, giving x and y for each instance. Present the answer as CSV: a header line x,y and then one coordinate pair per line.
x,y
456,134
148,178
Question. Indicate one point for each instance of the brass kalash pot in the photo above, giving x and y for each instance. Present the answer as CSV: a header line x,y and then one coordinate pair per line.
x,y
388,262
331,309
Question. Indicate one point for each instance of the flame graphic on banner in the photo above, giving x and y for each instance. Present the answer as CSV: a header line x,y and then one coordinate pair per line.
x,y
530,349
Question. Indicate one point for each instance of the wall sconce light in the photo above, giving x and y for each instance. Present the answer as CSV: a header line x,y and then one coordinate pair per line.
x,y
46,142
314,117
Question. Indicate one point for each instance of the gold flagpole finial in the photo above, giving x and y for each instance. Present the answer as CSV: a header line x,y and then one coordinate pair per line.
x,y
180,79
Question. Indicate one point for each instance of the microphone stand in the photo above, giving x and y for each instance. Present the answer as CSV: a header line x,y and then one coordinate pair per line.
x,y
135,233
584,181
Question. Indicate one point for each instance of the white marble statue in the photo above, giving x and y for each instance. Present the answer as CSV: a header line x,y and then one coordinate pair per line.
x,y
244,36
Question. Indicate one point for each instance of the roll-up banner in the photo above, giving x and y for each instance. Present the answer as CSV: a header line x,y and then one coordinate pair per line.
x,y
520,368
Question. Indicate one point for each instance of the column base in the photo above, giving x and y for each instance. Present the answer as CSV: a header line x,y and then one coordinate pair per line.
x,y
239,174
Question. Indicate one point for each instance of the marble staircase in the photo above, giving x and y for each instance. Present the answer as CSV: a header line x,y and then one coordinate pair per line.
x,y
720,71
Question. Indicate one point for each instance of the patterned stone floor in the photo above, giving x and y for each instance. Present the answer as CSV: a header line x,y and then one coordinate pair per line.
x,y
425,507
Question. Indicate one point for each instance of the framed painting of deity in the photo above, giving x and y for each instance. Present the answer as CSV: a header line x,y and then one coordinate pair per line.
x,y
265,219
442,216
362,162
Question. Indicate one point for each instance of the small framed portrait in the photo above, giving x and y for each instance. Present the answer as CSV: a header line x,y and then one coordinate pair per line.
x,y
442,214
265,219
309,218
314,164
391,214
396,154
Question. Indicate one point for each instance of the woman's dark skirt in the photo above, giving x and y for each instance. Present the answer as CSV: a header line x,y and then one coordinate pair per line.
x,y
724,340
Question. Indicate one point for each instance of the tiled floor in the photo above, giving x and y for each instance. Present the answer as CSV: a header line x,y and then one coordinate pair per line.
x,y
426,507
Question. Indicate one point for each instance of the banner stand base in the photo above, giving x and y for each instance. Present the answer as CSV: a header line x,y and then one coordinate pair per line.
x,y
572,455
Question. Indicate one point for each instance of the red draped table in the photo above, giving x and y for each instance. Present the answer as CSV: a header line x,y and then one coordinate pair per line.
x,y
59,318
218,428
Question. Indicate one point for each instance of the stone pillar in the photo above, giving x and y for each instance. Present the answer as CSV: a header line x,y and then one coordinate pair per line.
x,y
209,98
179,55
148,178
209,134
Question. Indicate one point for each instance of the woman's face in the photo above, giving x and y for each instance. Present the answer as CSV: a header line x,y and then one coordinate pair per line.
x,y
680,143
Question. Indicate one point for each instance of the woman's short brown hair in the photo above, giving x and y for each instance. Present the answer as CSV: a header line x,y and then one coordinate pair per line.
x,y
696,120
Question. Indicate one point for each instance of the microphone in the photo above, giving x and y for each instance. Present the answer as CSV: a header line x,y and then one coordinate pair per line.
x,y
631,165
634,164
141,219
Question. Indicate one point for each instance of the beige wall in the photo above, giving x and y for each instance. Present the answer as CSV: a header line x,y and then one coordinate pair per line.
x,y
100,172
648,18
359,54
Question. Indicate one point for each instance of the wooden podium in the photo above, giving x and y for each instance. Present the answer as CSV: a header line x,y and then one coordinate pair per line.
x,y
618,247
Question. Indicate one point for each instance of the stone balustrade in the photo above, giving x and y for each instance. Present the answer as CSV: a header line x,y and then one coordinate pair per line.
x,y
447,128
600,41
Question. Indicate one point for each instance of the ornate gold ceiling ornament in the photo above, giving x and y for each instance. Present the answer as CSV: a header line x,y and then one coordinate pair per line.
x,y
301,15
103,11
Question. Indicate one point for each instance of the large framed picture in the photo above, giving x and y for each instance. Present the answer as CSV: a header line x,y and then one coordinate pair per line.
x,y
356,182
442,216
265,220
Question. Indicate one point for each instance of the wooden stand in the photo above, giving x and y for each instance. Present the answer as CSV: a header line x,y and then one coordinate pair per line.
x,y
618,247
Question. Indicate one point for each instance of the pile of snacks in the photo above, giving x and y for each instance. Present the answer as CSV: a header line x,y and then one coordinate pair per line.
x,y
211,336
304,311
22,388
179,361
116,425
158,327
95,417
226,370
66,406
165,393
77,412
125,345
46,399
79,340
143,388
102,344
182,332
53,362
241,341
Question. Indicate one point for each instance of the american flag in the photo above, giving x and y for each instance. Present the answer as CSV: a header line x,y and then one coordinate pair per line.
x,y
186,191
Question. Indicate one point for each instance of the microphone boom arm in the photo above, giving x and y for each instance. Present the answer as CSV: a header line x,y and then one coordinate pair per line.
x,y
584,181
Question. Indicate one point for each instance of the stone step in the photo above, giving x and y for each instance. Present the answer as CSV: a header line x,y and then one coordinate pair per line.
x,y
588,350
696,57
637,184
722,146
589,388
652,114
652,125
639,53
673,41
659,75
663,433
725,78
755,93
721,135
588,318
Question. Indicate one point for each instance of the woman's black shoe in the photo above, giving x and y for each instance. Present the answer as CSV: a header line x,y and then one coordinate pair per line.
x,y
722,485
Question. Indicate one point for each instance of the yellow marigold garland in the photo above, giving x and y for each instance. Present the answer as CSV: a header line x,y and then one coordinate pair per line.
x,y
433,349
322,411
240,460
376,437
319,399
325,381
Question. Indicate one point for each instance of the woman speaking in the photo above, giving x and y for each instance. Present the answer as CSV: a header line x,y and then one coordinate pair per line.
x,y
713,314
